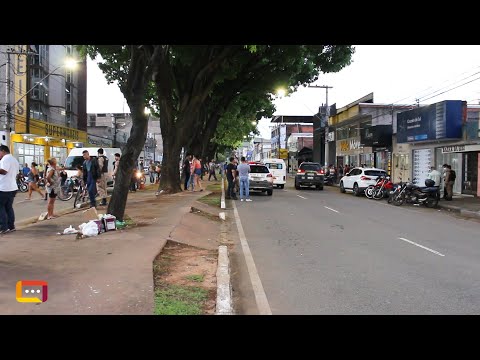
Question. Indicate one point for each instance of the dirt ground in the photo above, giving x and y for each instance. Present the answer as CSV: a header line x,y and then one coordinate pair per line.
x,y
186,266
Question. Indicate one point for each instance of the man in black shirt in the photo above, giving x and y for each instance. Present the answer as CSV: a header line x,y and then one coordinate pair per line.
x,y
186,170
231,171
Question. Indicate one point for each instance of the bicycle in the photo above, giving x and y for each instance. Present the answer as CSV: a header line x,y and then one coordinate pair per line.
x,y
67,189
82,195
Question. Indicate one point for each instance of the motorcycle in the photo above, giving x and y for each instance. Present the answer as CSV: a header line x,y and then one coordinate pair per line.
x,y
380,190
22,183
329,179
413,194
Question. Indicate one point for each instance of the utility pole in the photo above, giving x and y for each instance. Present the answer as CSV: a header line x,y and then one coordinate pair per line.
x,y
114,130
7,102
327,114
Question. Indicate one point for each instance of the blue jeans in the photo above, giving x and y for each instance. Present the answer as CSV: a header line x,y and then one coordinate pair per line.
x,y
7,215
92,189
191,181
244,182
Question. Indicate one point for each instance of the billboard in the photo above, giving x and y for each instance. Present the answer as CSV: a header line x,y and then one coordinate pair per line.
x,y
438,121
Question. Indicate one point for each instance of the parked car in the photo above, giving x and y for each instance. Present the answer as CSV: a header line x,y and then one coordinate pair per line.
x,y
309,174
358,179
260,178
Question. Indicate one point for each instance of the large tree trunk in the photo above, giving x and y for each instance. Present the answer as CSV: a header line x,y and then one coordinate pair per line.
x,y
170,181
134,91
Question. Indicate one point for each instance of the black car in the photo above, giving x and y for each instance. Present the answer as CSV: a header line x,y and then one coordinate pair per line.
x,y
309,174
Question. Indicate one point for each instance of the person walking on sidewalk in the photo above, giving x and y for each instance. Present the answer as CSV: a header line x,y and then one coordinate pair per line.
x,y
197,165
212,167
231,173
102,179
32,179
52,186
90,176
9,168
243,171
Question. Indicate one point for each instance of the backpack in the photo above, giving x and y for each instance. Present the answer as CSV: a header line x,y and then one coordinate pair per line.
x,y
453,175
104,169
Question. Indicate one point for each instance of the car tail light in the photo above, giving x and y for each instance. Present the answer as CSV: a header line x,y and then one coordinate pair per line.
x,y
320,172
300,171
365,178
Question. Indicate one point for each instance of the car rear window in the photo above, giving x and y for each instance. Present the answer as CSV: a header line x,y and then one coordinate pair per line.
x,y
255,169
375,173
314,167
274,166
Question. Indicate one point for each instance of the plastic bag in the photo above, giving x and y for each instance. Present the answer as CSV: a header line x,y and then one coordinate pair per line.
x,y
90,229
70,230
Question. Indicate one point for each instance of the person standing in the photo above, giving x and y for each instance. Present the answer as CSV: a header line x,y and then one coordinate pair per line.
x,y
90,176
186,170
102,179
25,170
151,171
434,175
450,177
243,170
231,173
32,179
212,167
9,168
52,186
198,172
115,166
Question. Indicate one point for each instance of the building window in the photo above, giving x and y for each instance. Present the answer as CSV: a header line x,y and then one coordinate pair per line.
x,y
28,153
59,153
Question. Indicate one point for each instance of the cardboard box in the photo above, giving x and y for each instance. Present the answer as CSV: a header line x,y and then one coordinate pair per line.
x,y
89,214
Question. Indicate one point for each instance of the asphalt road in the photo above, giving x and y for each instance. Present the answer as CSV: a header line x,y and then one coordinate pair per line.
x,y
322,252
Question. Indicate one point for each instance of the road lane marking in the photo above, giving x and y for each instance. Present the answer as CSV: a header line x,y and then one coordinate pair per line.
x,y
326,207
423,247
260,296
300,196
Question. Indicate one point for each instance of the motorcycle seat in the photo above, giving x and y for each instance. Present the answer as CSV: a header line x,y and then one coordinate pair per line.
x,y
429,189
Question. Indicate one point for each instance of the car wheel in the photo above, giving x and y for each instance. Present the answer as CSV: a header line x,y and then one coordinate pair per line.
x,y
269,192
296,185
356,191
342,189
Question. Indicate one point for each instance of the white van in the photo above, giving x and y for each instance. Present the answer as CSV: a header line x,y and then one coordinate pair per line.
x,y
75,157
278,169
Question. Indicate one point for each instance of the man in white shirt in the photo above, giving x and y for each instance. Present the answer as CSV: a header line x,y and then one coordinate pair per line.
x,y
435,176
9,169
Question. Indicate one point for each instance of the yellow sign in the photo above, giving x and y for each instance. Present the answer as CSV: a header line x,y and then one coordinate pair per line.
x,y
20,81
344,145
283,154
42,128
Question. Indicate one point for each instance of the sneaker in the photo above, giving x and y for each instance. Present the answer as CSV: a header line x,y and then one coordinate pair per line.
x,y
249,200
4,232
12,230
241,199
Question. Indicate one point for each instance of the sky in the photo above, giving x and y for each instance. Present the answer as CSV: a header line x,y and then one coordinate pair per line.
x,y
398,74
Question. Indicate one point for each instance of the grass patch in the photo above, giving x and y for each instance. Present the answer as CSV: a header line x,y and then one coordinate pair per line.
x,y
214,187
211,199
180,300
195,278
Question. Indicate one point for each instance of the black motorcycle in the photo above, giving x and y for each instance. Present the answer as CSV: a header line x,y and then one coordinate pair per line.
x,y
413,194
329,180
22,183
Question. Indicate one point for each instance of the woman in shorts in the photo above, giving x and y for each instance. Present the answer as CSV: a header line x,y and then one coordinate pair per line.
x,y
52,186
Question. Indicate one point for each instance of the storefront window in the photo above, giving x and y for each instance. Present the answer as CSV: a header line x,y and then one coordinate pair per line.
x,y
27,153
381,160
367,160
455,161
59,153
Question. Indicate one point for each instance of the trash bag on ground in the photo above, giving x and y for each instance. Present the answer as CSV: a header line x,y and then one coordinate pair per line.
x,y
89,229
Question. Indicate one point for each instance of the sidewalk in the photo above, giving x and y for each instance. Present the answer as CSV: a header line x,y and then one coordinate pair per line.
x,y
107,274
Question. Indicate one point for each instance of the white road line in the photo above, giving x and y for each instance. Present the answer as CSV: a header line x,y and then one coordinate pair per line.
x,y
300,196
423,247
260,296
326,207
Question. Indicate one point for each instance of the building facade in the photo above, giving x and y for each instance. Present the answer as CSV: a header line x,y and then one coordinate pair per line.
x,y
45,100
114,129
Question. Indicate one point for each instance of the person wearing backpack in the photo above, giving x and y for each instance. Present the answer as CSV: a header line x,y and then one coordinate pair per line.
x,y
450,177
102,178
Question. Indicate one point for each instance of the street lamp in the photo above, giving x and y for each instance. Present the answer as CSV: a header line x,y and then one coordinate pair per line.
x,y
69,63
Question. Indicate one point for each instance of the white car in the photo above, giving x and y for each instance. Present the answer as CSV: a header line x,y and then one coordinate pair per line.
x,y
358,179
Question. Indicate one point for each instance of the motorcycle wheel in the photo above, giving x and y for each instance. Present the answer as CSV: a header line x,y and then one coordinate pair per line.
x,y
432,202
398,200
369,191
378,194
23,188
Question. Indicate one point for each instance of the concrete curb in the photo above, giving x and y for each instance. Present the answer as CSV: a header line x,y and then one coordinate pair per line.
x,y
462,212
224,289
222,201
